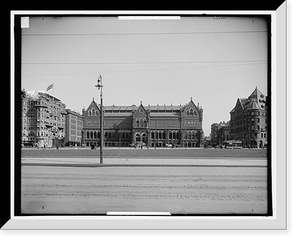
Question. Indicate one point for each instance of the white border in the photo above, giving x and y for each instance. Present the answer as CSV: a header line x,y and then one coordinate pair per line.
x,y
279,150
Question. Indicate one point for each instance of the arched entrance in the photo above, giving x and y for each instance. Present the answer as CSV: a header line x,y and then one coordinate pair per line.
x,y
144,138
138,137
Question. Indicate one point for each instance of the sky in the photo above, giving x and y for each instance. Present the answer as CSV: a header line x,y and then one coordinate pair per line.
x,y
212,60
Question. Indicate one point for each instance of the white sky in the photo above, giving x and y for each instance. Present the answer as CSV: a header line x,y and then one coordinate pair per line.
x,y
214,61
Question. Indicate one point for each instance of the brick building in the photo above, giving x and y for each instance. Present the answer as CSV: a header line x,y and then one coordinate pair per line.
x,y
154,126
249,120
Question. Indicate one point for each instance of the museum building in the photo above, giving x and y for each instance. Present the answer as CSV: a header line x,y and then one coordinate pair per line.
x,y
152,126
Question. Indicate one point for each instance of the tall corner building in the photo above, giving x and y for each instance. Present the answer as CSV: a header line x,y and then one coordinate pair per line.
x,y
43,119
249,120
155,126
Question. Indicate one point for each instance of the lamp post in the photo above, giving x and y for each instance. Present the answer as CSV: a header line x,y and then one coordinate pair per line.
x,y
100,86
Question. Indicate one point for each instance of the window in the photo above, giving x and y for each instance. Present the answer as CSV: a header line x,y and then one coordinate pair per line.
x,y
89,113
141,122
137,122
257,119
145,123
191,112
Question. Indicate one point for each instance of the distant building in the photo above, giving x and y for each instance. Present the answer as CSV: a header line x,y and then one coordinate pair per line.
x,y
249,120
219,133
43,121
154,126
73,128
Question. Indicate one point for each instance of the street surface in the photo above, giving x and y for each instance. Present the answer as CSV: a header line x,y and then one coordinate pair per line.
x,y
182,186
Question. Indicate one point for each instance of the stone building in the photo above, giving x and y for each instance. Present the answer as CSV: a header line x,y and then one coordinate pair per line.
x,y
73,128
154,126
43,121
249,120
220,132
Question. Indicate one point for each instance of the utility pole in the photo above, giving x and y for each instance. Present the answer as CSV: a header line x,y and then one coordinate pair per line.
x,y
100,86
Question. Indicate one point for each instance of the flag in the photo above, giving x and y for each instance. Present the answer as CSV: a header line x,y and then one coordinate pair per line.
x,y
50,87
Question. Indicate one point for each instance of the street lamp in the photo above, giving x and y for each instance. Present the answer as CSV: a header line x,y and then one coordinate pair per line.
x,y
100,86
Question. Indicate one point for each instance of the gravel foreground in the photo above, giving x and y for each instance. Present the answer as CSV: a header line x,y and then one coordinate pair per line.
x,y
187,190
179,181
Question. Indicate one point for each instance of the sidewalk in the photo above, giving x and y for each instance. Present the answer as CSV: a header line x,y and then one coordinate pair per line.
x,y
94,162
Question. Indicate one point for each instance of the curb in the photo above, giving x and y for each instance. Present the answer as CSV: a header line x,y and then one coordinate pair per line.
x,y
136,165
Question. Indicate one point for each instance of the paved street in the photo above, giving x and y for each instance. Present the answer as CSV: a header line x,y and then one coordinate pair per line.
x,y
215,186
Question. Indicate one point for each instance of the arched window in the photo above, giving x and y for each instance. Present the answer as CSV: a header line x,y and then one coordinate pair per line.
x,y
188,113
93,112
137,137
89,113
144,138
145,123
193,134
195,113
191,112
91,133
97,113
141,122
137,122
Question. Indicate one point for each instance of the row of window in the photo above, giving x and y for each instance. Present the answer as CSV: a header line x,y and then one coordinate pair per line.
x,y
141,122
252,113
191,112
107,134
243,122
255,135
245,129
93,112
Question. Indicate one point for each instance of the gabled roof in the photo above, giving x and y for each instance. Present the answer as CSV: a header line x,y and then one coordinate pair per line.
x,y
256,100
152,108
